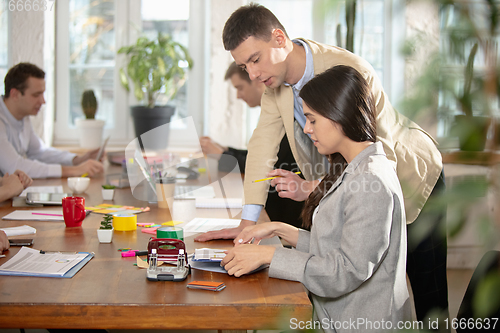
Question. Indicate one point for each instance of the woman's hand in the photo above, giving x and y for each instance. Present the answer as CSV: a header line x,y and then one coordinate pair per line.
x,y
256,233
243,259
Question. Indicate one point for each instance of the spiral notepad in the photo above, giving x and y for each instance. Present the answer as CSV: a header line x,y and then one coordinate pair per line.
x,y
219,203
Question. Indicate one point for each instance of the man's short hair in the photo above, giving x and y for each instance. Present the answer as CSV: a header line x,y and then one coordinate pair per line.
x,y
18,75
235,69
253,20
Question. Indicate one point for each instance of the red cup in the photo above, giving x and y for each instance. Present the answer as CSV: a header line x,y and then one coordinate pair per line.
x,y
73,211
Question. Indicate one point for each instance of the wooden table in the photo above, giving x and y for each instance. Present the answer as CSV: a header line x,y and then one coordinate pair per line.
x,y
111,293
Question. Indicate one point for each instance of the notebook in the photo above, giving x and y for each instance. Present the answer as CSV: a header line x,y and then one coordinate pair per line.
x,y
31,262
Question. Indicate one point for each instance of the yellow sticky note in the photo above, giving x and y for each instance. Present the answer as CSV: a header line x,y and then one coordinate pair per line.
x,y
105,211
172,223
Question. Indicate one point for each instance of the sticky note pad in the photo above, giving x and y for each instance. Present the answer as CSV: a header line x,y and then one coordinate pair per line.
x,y
171,223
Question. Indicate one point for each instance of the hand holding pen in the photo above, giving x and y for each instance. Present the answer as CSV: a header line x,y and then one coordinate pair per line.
x,y
289,185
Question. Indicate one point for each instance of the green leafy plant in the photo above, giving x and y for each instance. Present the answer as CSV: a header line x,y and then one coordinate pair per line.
x,y
108,187
89,104
155,66
464,76
106,223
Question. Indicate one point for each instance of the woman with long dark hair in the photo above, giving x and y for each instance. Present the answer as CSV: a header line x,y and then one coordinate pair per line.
x,y
353,259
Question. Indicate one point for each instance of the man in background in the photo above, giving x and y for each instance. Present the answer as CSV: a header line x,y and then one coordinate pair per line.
x,y
278,209
20,147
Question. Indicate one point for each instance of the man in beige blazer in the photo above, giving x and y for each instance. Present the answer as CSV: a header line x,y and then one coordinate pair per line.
x,y
259,44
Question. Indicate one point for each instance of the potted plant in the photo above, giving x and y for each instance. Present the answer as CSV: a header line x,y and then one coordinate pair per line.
x,y
105,232
108,191
471,129
155,67
89,129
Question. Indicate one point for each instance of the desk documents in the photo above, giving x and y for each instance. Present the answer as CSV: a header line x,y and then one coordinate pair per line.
x,y
200,224
31,262
35,215
19,231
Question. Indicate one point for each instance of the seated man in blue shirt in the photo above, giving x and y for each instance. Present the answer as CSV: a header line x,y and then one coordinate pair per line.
x,y
20,147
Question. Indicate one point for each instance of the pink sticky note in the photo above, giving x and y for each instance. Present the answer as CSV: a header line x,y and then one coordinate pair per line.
x,y
151,231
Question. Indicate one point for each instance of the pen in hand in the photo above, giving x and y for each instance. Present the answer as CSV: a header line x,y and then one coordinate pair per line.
x,y
261,180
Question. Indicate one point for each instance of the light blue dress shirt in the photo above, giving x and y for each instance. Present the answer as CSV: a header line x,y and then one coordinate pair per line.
x,y
252,212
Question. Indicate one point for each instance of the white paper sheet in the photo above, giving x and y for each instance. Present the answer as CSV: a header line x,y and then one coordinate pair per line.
x,y
35,215
199,224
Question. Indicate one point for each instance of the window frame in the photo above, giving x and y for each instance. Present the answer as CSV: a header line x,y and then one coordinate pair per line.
x,y
127,15
9,53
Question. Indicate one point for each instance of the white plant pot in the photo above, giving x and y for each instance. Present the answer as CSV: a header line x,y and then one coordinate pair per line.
x,y
90,132
108,194
105,235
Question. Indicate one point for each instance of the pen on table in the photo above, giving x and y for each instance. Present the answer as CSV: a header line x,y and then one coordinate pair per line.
x,y
46,214
60,252
261,180
133,253
85,174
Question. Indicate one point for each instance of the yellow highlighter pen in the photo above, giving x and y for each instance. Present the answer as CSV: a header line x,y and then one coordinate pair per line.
x,y
261,180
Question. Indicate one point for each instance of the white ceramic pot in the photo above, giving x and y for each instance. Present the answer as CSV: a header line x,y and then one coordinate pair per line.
x,y
105,235
90,132
108,194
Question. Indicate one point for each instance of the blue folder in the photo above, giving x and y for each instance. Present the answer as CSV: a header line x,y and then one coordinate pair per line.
x,y
68,274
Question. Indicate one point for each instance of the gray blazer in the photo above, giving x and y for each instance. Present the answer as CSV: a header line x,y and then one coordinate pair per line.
x,y
353,261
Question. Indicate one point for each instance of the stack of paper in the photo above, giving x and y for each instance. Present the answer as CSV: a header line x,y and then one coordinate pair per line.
x,y
199,224
205,254
206,285
18,231
31,262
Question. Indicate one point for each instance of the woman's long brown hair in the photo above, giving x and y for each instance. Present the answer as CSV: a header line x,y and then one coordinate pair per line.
x,y
342,95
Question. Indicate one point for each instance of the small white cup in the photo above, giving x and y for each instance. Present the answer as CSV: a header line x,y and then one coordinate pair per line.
x,y
78,184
